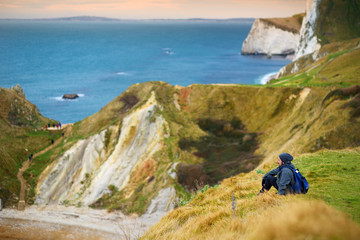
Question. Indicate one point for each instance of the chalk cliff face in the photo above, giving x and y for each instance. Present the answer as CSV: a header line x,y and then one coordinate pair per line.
x,y
84,173
266,38
309,41
326,22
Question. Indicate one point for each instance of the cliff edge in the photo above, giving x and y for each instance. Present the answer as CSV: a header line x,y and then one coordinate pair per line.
x,y
326,22
273,36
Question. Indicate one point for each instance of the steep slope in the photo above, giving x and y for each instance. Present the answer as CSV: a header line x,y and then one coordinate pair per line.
x,y
234,211
338,64
181,139
327,22
273,36
21,134
67,178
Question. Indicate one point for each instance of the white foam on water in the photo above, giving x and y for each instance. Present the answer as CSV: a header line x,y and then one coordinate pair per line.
x,y
265,78
60,99
168,51
122,73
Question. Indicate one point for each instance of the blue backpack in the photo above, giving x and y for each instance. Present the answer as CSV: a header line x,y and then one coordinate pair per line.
x,y
301,185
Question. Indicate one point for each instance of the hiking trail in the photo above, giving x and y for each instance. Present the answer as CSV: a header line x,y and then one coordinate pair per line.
x,y
26,164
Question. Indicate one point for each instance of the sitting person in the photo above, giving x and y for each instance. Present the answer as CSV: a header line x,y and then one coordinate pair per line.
x,y
282,178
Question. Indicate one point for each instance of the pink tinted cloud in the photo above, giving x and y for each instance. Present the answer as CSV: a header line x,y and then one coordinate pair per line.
x,y
125,5
5,5
152,8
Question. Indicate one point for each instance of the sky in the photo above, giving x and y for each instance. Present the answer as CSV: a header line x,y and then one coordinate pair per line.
x,y
149,9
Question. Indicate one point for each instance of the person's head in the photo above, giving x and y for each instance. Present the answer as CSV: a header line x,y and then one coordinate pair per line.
x,y
284,158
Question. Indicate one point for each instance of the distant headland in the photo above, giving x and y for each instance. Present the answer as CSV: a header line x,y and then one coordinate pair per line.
x,y
104,19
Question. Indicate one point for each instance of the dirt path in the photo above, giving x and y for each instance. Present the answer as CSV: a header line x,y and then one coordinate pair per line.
x,y
26,164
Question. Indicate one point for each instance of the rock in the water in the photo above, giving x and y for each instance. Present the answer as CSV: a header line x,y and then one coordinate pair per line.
x,y
70,96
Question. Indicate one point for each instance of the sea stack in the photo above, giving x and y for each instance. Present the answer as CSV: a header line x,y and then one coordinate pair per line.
x,y
70,96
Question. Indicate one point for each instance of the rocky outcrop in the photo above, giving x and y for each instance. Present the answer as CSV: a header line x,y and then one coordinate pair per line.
x,y
271,37
70,96
85,172
18,90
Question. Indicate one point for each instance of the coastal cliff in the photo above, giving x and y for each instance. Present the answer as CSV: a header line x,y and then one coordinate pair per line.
x,y
273,36
326,23
309,42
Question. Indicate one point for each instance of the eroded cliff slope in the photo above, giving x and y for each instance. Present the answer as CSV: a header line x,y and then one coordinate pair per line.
x,y
173,140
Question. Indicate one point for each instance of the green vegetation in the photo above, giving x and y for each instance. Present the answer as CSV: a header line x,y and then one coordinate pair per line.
x,y
22,134
339,20
33,172
339,68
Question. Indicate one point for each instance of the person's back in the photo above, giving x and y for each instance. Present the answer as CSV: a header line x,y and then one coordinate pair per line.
x,y
282,178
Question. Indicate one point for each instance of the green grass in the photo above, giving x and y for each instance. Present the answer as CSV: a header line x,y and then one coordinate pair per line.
x,y
334,176
33,172
37,166
339,67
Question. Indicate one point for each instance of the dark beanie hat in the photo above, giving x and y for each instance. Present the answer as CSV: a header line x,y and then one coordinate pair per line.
x,y
285,157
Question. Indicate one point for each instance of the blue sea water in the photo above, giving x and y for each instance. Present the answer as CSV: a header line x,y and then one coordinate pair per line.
x,y
100,60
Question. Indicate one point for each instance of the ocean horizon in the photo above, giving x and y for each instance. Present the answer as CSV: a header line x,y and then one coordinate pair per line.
x,y
100,60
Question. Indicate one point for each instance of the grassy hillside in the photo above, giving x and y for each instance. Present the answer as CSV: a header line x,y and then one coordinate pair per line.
x,y
339,66
339,20
221,131
216,132
333,177
21,134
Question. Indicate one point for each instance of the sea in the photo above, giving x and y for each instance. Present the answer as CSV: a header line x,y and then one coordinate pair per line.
x,y
100,60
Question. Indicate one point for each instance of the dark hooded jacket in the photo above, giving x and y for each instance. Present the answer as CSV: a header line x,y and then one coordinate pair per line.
x,y
285,178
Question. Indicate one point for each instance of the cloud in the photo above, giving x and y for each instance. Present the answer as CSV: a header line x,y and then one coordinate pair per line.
x,y
152,8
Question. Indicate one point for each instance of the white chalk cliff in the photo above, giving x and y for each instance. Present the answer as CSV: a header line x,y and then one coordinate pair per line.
x,y
83,174
309,43
267,39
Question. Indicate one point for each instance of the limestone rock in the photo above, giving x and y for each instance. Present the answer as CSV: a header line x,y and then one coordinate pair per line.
x,y
266,38
309,42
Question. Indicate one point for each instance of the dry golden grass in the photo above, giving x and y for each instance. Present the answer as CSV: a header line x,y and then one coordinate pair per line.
x,y
268,216
292,24
302,220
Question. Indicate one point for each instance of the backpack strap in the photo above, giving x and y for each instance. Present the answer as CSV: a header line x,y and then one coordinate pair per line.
x,y
286,166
